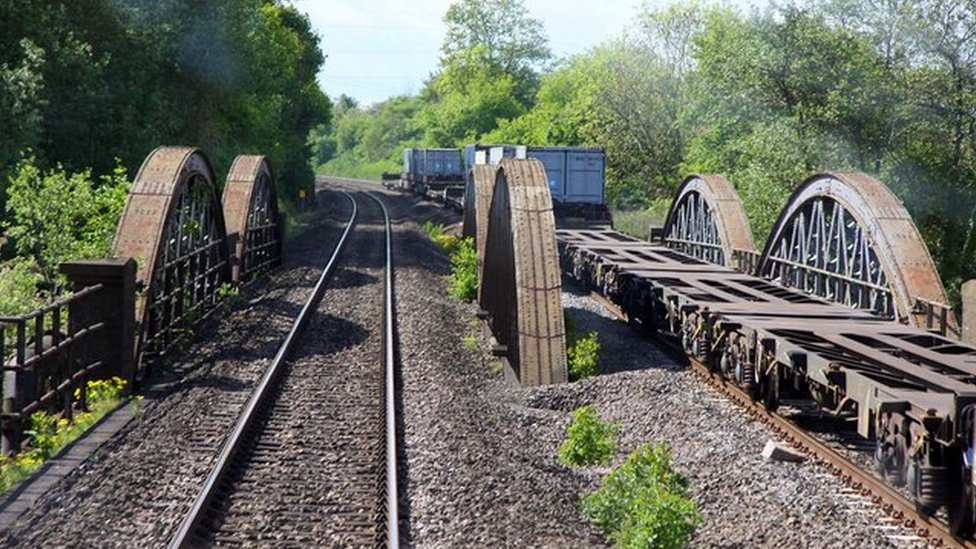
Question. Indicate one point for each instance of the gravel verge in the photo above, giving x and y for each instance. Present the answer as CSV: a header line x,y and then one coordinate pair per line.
x,y
481,453
134,490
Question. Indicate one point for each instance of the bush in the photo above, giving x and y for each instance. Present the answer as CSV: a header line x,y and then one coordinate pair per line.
x,y
464,271
464,261
54,216
583,354
644,503
589,441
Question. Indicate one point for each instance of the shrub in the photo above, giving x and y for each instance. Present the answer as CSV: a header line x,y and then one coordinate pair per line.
x,y
589,440
644,503
464,271
54,216
583,354
432,229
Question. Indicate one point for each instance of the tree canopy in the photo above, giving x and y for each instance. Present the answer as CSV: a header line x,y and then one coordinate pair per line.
x,y
89,87
767,98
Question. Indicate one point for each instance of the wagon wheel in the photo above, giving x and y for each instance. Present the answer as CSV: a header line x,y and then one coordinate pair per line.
x,y
521,286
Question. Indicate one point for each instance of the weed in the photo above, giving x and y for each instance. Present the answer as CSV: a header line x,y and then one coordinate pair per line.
x,y
227,291
48,434
644,502
464,261
470,343
464,271
589,440
583,355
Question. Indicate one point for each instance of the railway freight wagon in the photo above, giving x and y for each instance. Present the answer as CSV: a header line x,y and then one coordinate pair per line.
x,y
431,171
577,178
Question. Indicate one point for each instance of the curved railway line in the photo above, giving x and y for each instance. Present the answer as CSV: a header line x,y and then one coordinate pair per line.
x,y
318,433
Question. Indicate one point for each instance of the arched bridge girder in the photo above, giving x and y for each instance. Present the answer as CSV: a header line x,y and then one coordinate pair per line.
x,y
250,205
847,238
521,286
173,226
707,220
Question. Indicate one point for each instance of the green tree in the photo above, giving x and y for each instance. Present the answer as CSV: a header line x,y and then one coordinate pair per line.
x,y
503,35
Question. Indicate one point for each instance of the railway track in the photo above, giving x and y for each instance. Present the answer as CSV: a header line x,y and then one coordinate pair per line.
x,y
895,504
312,458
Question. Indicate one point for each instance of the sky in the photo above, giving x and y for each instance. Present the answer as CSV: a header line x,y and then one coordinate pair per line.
x,y
380,48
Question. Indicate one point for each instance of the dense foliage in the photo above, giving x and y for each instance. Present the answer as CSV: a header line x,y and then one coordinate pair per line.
x,y
88,88
644,503
91,83
589,440
766,98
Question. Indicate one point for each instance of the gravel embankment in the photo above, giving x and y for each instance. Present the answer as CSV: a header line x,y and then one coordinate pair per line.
x,y
134,490
481,454
479,457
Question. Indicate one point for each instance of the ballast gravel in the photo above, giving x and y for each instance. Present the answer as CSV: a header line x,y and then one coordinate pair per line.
x,y
134,490
479,461
481,452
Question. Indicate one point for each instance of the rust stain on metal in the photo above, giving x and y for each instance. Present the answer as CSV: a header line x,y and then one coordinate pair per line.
x,y
521,286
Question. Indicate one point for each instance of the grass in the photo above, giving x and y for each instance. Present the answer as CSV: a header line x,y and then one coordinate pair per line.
x,y
355,168
48,434
637,223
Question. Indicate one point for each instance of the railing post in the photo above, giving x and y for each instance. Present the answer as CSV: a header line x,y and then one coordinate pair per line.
x,y
968,330
114,305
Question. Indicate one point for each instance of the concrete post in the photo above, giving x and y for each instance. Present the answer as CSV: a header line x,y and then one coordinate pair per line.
x,y
969,312
115,305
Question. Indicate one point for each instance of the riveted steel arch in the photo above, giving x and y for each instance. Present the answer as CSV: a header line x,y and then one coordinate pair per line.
x,y
847,238
522,279
707,221
477,201
174,227
250,206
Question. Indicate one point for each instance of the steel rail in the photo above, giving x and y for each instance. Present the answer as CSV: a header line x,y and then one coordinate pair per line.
x,y
184,535
392,493
892,502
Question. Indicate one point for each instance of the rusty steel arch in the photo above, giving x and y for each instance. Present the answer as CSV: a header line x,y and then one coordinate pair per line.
x,y
521,287
250,206
477,201
847,238
707,220
174,227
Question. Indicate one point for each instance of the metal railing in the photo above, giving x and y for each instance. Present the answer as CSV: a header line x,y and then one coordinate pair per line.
x,y
46,360
746,261
938,317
